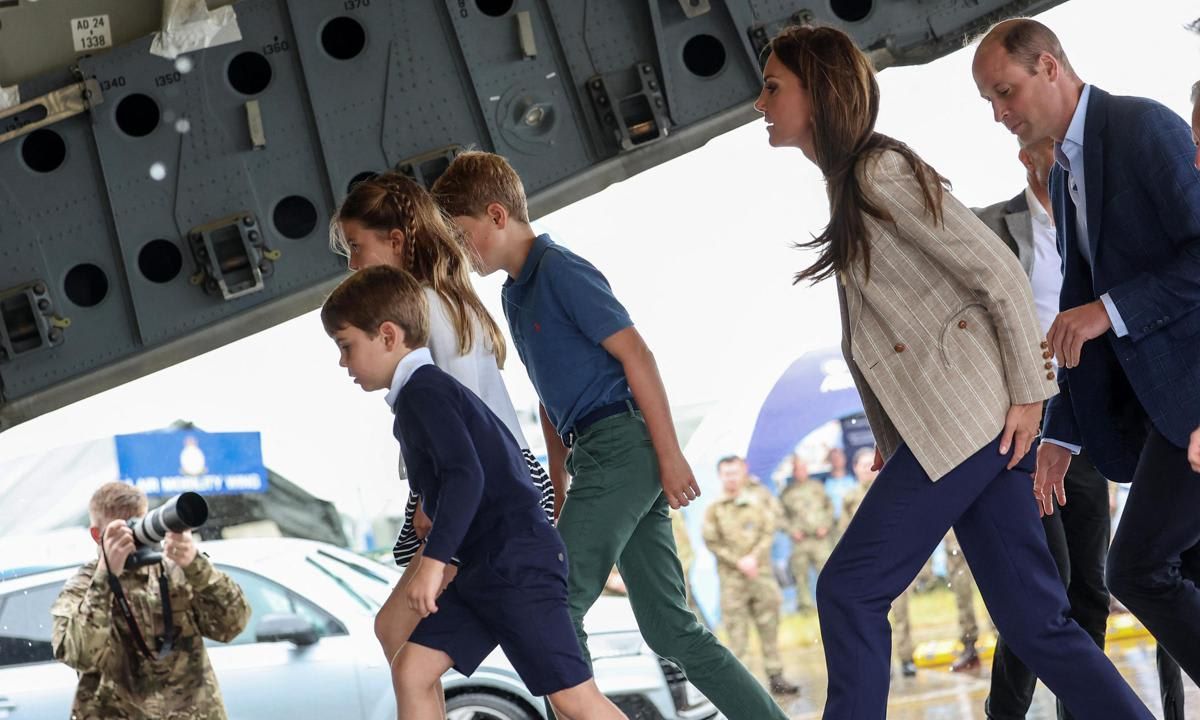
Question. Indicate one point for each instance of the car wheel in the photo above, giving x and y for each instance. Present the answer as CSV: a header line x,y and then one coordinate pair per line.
x,y
485,706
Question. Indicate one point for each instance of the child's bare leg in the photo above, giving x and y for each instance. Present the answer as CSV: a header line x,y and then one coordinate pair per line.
x,y
395,621
584,702
417,674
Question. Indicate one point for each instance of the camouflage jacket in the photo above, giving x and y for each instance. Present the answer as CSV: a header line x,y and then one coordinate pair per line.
x,y
756,487
807,508
115,680
683,544
740,526
851,500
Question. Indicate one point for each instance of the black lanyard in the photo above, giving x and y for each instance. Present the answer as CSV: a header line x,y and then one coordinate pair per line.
x,y
166,642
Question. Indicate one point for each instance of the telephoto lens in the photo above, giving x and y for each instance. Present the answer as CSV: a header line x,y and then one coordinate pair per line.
x,y
185,511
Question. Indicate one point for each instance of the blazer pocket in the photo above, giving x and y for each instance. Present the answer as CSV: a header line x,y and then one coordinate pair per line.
x,y
971,324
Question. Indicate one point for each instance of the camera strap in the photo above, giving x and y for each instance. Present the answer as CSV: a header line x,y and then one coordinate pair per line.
x,y
167,641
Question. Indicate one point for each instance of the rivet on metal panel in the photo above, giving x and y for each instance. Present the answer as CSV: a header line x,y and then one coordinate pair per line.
x,y
694,8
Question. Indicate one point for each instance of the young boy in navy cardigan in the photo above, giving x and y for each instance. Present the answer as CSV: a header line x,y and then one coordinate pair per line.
x,y
511,589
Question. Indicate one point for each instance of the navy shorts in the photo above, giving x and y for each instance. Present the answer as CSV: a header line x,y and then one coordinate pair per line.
x,y
514,597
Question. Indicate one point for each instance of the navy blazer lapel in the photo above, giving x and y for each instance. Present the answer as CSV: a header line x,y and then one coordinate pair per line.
x,y
1093,165
1077,278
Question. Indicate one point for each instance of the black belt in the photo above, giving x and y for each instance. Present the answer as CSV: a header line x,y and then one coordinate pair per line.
x,y
606,411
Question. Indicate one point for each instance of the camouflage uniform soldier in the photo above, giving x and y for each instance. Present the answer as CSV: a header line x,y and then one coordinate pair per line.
x,y
116,680
808,513
738,529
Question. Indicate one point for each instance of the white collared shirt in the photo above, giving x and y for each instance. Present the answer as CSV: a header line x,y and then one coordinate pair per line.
x,y
1046,269
404,371
1069,155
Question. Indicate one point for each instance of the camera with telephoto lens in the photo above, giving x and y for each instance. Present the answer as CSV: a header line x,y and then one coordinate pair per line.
x,y
185,511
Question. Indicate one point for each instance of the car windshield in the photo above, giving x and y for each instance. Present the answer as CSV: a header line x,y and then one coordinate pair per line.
x,y
368,586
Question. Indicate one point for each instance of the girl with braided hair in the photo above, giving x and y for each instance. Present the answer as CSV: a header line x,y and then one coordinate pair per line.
x,y
391,220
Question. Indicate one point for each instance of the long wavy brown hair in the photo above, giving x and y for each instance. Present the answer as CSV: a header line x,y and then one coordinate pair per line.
x,y
433,252
845,106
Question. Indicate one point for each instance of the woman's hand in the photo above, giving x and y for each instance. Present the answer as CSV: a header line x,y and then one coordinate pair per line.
x,y
1021,426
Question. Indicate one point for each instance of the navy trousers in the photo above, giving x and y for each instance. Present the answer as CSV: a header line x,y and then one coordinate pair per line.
x,y
1154,562
902,518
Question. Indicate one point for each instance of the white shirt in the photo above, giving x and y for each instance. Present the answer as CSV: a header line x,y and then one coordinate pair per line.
x,y
477,369
1069,155
1046,275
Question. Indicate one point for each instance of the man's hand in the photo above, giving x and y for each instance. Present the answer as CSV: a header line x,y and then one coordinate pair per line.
x,y
425,586
1072,328
678,483
1020,428
180,548
878,464
1194,451
1052,463
748,566
421,523
117,543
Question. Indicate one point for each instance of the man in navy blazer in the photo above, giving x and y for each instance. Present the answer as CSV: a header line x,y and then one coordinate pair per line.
x,y
1126,196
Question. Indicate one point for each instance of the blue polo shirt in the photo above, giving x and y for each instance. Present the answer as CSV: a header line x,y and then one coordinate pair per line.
x,y
559,309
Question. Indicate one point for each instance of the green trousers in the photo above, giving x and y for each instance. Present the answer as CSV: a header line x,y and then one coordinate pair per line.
x,y
616,513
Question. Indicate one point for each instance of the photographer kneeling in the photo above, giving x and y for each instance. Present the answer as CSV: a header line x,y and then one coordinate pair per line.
x,y
136,634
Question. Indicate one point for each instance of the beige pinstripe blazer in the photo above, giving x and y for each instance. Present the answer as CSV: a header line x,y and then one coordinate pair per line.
x,y
944,337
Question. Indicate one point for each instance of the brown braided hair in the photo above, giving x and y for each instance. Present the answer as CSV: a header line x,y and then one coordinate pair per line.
x,y
433,249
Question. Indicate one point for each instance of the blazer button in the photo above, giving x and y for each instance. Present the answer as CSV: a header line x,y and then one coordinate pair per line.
x,y
899,347
1045,344
962,324
1050,376
1049,366
1046,355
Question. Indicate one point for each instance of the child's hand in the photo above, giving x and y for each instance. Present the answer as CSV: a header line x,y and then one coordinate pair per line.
x,y
425,587
679,485
1194,451
421,523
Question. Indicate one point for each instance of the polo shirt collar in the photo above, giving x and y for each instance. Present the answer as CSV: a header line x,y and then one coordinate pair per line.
x,y
541,244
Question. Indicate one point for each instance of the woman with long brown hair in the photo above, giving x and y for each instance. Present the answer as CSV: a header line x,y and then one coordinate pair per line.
x,y
941,337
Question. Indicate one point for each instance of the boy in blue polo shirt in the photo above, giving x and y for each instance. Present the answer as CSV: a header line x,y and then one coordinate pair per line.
x,y
603,400
511,587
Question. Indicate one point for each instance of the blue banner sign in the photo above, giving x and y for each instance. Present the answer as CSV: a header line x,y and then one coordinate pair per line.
x,y
168,463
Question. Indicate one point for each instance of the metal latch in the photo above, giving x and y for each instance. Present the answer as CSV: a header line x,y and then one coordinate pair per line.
x,y
231,256
637,118
28,321
59,105
427,167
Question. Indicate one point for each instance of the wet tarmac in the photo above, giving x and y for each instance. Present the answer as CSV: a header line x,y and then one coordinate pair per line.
x,y
938,694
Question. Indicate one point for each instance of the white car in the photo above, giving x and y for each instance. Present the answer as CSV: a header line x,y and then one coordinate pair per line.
x,y
310,648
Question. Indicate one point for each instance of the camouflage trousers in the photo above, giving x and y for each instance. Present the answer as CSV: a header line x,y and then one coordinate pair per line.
x,y
746,602
902,627
959,577
808,553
